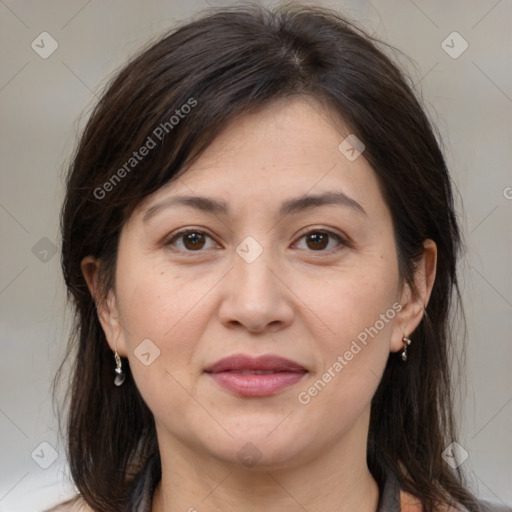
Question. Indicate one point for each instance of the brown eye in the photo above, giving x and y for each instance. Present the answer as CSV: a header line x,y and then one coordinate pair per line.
x,y
193,241
321,241
190,241
317,241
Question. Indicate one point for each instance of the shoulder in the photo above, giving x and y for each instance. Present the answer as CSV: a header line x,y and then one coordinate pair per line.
x,y
409,503
76,504
485,506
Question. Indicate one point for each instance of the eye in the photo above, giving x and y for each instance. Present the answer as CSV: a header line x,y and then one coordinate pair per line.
x,y
195,240
191,240
321,240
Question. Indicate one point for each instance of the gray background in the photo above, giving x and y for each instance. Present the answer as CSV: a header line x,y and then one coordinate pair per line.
x,y
44,103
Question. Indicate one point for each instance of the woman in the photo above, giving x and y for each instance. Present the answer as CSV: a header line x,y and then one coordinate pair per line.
x,y
260,242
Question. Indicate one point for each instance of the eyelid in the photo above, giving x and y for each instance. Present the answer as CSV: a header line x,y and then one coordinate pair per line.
x,y
182,232
343,240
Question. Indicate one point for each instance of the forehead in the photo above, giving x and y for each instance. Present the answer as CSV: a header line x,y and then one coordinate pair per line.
x,y
287,149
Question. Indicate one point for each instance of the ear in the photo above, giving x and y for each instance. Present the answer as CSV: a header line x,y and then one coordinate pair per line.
x,y
414,304
106,307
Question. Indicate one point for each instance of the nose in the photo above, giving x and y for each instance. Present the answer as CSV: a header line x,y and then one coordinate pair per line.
x,y
255,296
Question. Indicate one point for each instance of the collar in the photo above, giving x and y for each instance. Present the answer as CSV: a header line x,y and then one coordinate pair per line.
x,y
146,481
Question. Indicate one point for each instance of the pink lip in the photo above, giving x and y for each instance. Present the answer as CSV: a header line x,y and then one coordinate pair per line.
x,y
230,373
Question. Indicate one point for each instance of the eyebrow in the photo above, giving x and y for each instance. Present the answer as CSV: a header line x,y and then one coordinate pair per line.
x,y
288,207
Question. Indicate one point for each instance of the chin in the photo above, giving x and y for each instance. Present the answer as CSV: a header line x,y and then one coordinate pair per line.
x,y
256,449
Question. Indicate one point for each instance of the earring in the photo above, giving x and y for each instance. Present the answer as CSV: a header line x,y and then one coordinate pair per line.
x,y
406,342
120,375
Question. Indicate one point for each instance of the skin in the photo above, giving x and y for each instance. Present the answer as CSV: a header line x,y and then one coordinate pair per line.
x,y
297,299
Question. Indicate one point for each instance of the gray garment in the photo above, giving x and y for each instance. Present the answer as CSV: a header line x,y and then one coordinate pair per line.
x,y
489,507
147,480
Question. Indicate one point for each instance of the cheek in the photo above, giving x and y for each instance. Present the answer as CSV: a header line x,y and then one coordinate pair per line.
x,y
167,308
153,301
352,300
356,311
354,357
171,312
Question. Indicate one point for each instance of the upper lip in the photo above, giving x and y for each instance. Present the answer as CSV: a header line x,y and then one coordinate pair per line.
x,y
243,362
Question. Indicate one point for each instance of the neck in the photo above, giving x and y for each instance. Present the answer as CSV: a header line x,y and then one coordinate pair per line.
x,y
335,481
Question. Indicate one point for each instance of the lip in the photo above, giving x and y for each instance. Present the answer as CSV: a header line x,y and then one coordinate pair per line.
x,y
240,374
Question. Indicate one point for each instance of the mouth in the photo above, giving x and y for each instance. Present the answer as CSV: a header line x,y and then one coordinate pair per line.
x,y
248,376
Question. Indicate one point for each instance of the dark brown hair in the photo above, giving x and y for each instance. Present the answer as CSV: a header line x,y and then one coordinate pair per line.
x,y
223,65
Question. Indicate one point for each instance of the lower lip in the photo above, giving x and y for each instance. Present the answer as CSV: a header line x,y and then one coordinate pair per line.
x,y
256,385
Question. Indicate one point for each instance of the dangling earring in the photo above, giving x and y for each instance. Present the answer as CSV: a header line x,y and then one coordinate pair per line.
x,y
406,342
120,375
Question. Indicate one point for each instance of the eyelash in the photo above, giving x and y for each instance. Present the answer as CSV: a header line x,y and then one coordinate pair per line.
x,y
342,242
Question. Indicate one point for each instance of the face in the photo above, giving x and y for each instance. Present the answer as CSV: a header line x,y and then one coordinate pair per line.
x,y
281,258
